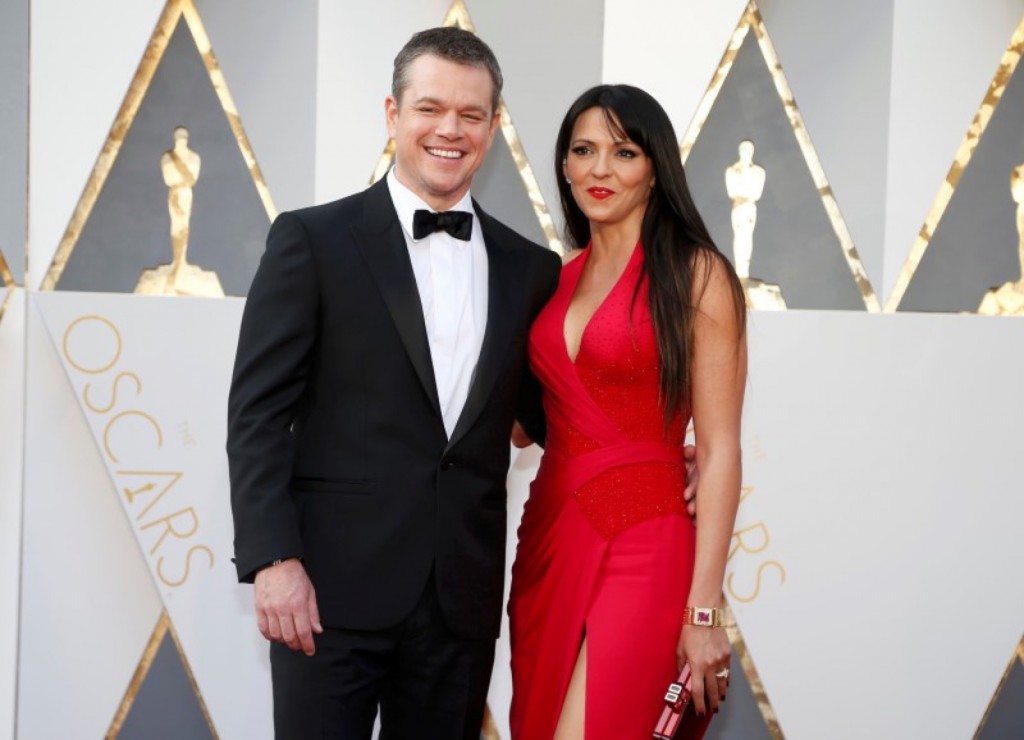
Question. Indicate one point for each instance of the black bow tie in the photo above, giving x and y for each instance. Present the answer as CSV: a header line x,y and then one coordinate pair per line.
x,y
457,223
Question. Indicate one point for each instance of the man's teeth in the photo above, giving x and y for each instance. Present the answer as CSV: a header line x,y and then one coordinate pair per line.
x,y
446,153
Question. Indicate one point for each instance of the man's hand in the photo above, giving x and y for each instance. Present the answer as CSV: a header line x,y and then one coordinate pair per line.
x,y
286,606
692,474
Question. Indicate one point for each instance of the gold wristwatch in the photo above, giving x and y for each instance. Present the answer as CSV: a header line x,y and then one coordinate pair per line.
x,y
702,616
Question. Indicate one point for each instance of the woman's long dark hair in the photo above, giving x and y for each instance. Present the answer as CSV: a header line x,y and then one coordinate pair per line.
x,y
673,234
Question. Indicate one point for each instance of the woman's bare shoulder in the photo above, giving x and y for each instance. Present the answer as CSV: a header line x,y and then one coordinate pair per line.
x,y
571,255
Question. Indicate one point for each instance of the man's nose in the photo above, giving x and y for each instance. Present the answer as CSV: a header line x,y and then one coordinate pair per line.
x,y
449,125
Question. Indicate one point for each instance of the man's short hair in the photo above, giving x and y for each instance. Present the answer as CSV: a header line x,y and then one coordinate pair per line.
x,y
455,45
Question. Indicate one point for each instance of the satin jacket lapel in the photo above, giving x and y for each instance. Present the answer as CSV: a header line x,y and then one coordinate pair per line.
x,y
381,242
505,288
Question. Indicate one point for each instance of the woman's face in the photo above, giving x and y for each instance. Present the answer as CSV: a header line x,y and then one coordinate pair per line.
x,y
611,178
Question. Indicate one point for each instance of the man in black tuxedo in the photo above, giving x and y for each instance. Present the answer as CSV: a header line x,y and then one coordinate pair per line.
x,y
380,365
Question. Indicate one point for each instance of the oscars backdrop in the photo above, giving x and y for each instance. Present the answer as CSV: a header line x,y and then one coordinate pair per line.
x,y
873,579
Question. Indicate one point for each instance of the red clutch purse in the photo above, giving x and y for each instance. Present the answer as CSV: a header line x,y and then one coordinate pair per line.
x,y
678,719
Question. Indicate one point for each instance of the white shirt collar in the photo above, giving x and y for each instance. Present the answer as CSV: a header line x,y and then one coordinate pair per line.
x,y
407,203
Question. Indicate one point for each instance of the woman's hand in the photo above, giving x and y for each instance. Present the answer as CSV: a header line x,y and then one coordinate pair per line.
x,y
520,438
692,477
708,651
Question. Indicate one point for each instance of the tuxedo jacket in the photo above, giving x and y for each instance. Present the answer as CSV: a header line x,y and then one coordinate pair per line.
x,y
336,446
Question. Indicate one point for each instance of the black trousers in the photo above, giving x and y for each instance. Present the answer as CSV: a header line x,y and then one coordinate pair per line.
x,y
427,682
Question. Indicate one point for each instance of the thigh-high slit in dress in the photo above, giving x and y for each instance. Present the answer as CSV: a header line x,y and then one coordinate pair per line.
x,y
605,546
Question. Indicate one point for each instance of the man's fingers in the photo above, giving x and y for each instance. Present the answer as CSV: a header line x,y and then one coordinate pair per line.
x,y
288,633
304,634
286,606
274,627
262,623
314,613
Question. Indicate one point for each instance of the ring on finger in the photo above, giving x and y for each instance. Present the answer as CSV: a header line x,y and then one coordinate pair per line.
x,y
724,673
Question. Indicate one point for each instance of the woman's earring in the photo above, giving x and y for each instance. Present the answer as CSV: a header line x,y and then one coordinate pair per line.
x,y
568,180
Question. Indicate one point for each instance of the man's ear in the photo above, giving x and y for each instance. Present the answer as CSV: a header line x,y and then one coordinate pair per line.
x,y
391,114
495,125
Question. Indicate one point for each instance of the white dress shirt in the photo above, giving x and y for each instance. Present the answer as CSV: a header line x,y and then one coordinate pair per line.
x,y
451,276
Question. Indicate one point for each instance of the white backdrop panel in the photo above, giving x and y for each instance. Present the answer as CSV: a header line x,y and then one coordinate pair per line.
x,y
152,375
881,451
12,400
88,605
670,48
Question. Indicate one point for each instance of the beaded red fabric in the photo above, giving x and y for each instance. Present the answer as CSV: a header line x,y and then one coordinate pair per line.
x,y
617,364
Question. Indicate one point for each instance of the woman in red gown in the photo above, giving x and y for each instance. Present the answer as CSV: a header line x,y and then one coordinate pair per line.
x,y
645,331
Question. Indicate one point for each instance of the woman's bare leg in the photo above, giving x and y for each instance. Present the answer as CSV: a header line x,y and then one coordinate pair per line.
x,y
570,721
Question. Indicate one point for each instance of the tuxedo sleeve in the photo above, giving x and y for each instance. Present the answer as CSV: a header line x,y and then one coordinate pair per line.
x,y
529,405
278,331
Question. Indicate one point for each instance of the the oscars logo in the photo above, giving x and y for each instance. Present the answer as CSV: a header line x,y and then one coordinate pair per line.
x,y
1008,299
744,183
180,166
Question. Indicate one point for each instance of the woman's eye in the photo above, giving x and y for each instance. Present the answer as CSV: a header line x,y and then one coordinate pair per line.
x,y
580,151
627,153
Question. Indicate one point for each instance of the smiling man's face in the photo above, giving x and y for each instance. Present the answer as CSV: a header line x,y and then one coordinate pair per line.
x,y
443,126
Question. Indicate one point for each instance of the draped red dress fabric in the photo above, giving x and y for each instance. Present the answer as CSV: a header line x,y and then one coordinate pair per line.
x,y
605,546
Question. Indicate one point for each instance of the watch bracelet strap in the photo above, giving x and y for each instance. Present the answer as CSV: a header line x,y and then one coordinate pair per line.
x,y
702,616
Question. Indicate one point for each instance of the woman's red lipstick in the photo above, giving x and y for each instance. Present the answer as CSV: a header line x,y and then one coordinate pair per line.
x,y
601,193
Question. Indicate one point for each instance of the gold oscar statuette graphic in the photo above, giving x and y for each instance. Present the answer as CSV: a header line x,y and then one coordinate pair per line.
x,y
744,183
180,167
1008,299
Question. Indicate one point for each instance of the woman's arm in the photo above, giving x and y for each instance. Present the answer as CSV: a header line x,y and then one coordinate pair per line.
x,y
718,380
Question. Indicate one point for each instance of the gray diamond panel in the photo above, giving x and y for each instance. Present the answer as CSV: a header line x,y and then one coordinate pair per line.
x,y
974,247
795,245
14,133
1006,722
165,708
739,717
499,189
